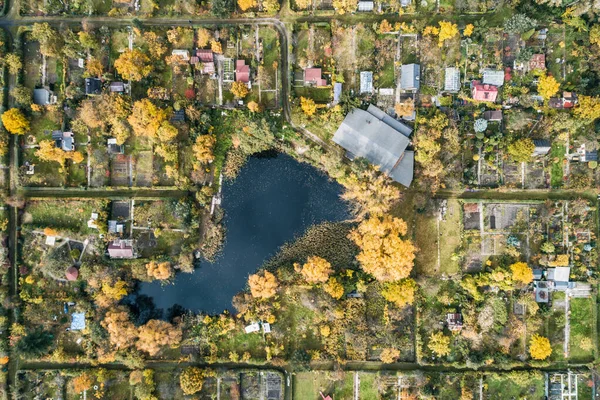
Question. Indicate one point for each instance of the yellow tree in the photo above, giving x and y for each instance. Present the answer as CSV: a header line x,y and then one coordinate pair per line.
x,y
191,380
48,151
303,4
308,106
439,344
121,331
263,286
468,30
156,45
156,334
448,30
316,270
246,4
385,26
110,294
203,37
254,107
166,132
133,65
270,6
401,293
203,148
334,288
389,355
383,253
13,62
370,193
521,272
239,89
406,108
15,121
216,47
539,347
548,86
345,6
93,67
146,118
588,108
82,383
160,271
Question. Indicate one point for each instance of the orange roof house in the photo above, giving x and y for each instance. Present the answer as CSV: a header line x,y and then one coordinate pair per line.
x,y
242,71
483,92
538,61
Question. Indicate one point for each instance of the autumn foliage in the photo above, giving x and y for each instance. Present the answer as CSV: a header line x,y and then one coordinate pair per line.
x,y
246,4
439,344
263,285
133,65
82,383
316,270
155,334
203,148
548,86
308,106
521,272
389,355
239,89
15,121
401,293
539,347
161,271
191,380
48,151
383,253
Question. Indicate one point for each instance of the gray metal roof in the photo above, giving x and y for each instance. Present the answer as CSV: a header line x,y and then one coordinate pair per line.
x,y
41,97
337,92
411,77
366,82
493,77
77,321
380,139
452,80
365,6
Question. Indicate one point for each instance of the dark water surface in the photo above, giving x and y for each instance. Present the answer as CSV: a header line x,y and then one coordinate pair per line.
x,y
272,201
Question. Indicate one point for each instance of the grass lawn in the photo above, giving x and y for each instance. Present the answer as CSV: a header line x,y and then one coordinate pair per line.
x,y
450,237
555,327
62,214
368,386
319,95
387,76
582,322
308,384
531,385
556,168
426,239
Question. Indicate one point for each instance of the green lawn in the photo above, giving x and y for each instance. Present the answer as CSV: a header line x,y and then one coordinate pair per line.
x,y
556,168
308,384
515,385
368,386
319,95
582,322
62,214
426,239
450,237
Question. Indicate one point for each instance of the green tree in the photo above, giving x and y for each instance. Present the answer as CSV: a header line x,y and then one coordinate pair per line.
x,y
221,8
35,344
50,40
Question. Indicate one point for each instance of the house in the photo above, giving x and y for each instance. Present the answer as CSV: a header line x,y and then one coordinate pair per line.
x,y
242,71
117,87
255,327
113,148
454,321
366,82
337,92
493,115
313,77
366,5
483,92
379,138
206,58
64,140
120,213
43,97
183,54
410,77
266,327
537,62
93,86
542,147
78,321
121,248
452,80
558,278
493,77
541,291
72,273
568,100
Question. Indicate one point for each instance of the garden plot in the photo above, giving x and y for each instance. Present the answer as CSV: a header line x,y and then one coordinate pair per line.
x,y
121,167
488,173
513,174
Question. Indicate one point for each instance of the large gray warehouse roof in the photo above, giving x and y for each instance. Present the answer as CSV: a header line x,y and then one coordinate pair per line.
x,y
380,139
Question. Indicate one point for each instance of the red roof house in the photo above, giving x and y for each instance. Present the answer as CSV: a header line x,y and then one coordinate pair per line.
x,y
483,92
121,249
72,274
312,76
242,71
538,61
205,55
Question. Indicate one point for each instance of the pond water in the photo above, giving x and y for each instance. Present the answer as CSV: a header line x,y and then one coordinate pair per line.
x,y
273,200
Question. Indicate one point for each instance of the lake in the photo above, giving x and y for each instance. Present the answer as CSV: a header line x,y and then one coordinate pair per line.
x,y
273,200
